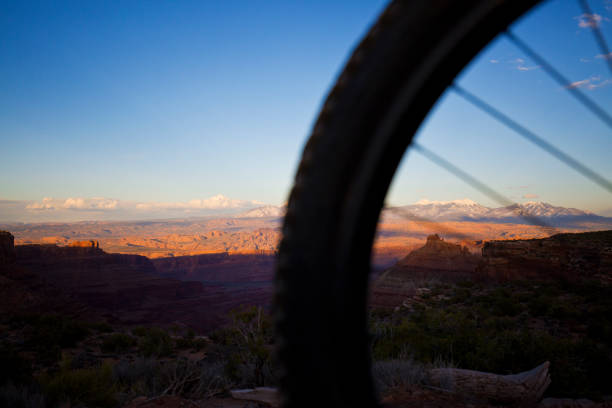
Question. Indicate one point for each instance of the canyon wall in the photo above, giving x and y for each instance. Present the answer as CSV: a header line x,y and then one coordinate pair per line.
x,y
436,260
567,256
7,248
124,289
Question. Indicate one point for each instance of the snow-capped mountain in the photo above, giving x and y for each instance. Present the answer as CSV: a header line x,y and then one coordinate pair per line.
x,y
447,209
465,210
265,211
468,210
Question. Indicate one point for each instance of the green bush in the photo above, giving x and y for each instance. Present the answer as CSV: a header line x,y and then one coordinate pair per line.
x,y
539,305
101,327
185,343
493,332
117,343
91,387
155,342
47,334
140,331
250,337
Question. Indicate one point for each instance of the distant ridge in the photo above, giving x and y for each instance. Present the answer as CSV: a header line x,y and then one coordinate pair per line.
x,y
468,210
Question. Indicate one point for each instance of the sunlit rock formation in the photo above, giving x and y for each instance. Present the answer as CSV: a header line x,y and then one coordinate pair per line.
x,y
437,259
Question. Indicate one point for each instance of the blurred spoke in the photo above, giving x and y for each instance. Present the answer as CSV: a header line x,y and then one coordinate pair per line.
x,y
535,139
564,82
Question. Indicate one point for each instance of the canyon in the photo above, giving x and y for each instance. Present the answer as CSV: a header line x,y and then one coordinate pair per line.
x,y
565,256
192,272
85,281
257,231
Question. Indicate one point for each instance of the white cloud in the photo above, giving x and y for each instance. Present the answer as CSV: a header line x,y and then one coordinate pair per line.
x,y
519,63
592,83
599,85
218,202
101,209
45,204
590,20
604,56
95,203
524,68
578,84
531,196
213,203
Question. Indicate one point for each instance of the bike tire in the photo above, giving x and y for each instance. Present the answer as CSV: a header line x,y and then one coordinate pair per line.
x,y
392,79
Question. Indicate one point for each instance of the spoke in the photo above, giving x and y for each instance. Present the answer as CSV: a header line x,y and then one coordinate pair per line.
x,y
535,139
564,82
480,186
599,38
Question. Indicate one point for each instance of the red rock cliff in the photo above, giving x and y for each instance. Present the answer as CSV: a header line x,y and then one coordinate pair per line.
x,y
570,256
7,248
436,259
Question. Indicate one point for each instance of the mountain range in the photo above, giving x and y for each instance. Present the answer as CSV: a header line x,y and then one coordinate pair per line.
x,y
460,210
467,210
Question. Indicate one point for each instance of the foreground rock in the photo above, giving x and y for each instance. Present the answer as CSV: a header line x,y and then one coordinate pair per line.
x,y
573,403
523,388
267,395
178,402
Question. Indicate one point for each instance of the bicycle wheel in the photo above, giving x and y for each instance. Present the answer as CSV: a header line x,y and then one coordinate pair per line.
x,y
393,78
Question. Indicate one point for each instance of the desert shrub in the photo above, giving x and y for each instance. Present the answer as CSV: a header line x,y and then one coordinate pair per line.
x,y
502,303
117,343
83,359
380,313
101,327
397,373
487,334
91,387
21,396
193,343
155,342
539,305
466,283
47,334
140,331
212,380
560,310
461,295
499,323
249,362
138,377
189,379
194,380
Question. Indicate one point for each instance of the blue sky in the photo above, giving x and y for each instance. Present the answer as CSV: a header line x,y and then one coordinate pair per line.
x,y
159,104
